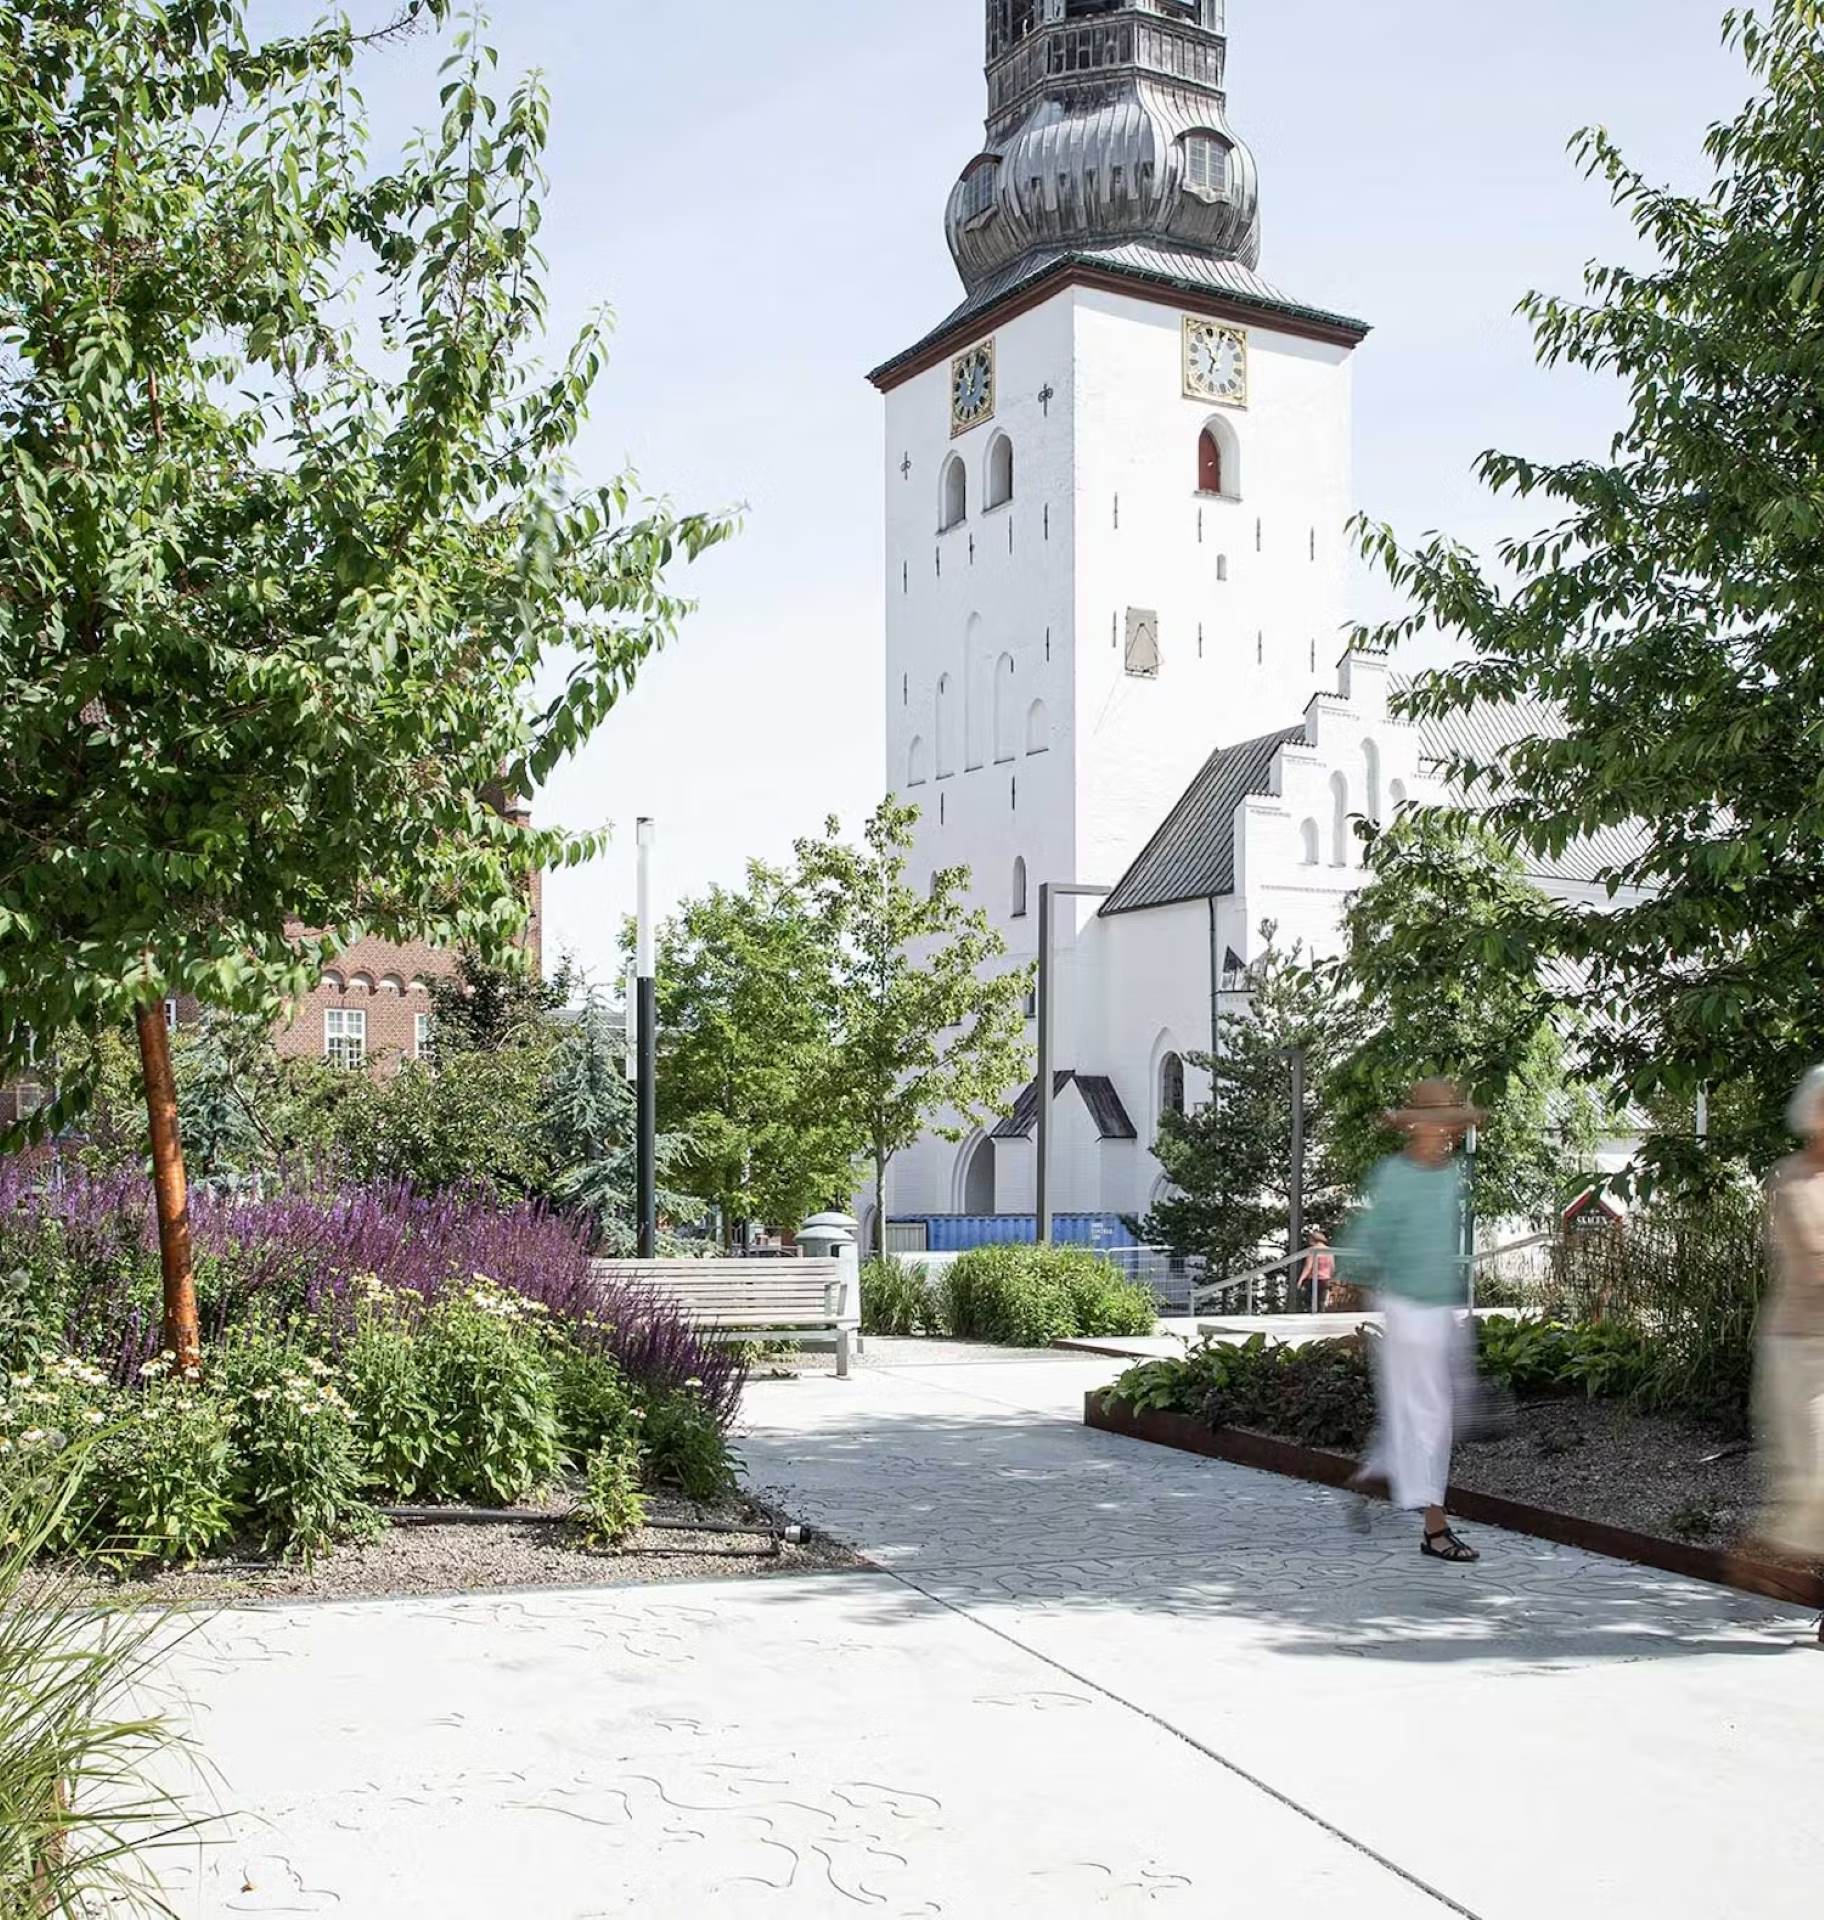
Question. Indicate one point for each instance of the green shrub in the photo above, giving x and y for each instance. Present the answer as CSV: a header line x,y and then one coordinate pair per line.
x,y
1022,1296
167,1472
1007,1296
612,1507
384,1377
683,1448
896,1299
1321,1395
298,1464
1104,1303
1605,1360
595,1407
488,1381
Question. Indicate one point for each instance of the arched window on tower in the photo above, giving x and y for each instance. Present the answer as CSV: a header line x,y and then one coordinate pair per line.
x,y
1038,728
918,764
1019,888
1396,796
1309,842
1000,472
1209,463
1219,460
955,508
1371,767
1171,1085
1339,830
946,727
1006,714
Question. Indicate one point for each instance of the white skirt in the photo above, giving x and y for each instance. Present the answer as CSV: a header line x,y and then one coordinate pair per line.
x,y
1789,1395
1425,1369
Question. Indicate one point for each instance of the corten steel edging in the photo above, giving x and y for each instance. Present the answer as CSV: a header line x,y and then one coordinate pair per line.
x,y
1717,1566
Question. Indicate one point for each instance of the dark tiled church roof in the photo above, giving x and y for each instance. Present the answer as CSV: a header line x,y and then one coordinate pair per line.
x,y
1099,1096
1192,856
1144,262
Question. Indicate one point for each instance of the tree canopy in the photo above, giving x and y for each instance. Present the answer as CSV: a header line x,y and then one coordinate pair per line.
x,y
747,1053
929,1026
1435,982
275,597
1671,615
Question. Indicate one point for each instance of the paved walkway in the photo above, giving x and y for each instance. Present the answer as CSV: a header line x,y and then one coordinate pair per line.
x,y
1093,1679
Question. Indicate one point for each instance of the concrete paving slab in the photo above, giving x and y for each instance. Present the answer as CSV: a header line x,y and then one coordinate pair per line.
x,y
1547,1733
817,1746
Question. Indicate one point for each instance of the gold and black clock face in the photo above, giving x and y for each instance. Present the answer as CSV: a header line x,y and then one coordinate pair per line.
x,y
972,388
1215,362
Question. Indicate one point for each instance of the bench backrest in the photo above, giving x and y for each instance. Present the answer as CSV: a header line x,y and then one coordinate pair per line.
x,y
738,1292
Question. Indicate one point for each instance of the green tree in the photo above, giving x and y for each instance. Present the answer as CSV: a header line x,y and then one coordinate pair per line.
x,y
1230,1161
747,1059
272,615
1669,615
930,1031
589,1114
1439,985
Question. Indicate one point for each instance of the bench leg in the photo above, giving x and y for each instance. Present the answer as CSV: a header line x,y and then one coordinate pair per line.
x,y
842,1354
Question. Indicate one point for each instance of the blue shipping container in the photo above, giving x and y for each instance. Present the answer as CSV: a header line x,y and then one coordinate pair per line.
x,y
958,1232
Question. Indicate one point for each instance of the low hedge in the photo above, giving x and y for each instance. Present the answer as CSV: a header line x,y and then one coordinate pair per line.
x,y
897,1299
1018,1296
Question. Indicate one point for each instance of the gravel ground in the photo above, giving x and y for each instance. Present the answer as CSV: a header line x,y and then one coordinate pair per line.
x,y
489,1558
1597,1460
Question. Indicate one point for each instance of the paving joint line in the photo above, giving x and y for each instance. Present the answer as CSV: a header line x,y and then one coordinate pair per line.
x,y
1208,1752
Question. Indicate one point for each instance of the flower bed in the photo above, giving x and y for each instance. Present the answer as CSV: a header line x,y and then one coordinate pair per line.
x,y
363,1347
1585,1460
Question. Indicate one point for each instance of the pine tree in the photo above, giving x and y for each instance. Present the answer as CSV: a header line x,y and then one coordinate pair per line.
x,y
1230,1161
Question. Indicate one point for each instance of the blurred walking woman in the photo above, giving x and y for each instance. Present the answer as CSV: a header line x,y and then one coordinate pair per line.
x,y
1790,1386
1408,1240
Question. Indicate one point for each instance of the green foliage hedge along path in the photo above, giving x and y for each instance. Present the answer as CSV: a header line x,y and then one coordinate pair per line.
x,y
1012,1296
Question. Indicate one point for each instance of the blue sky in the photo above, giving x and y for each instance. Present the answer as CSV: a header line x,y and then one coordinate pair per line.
x,y
758,192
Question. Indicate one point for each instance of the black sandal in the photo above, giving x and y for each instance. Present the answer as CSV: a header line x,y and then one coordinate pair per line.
x,y
1459,1553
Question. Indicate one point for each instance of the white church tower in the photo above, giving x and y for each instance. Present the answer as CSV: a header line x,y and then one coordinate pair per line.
x,y
1118,482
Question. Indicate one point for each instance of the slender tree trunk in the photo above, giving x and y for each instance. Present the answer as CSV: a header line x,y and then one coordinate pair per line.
x,y
880,1203
182,1335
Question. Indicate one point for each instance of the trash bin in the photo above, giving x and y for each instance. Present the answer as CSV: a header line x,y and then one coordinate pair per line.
x,y
832,1236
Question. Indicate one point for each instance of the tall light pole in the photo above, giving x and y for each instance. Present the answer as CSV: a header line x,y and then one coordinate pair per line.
x,y
1049,891
646,1014
1296,1209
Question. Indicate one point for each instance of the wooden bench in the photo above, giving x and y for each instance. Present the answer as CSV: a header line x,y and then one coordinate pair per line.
x,y
784,1302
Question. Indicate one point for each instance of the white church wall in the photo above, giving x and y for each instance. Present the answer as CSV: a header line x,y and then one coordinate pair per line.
x,y
1260,576
1153,975
979,622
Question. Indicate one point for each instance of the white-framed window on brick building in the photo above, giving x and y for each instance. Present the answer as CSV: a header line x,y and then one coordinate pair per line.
x,y
345,1036
171,1014
421,1036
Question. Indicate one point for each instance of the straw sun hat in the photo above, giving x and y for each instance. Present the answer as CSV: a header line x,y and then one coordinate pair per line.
x,y
1436,1103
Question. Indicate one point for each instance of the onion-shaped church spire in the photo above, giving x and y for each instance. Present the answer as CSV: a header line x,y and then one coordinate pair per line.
x,y
1107,124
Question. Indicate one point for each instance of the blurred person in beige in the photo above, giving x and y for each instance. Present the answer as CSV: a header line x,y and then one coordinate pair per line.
x,y
1789,1387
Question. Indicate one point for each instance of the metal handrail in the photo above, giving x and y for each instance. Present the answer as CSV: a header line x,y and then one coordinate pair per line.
x,y
1218,1288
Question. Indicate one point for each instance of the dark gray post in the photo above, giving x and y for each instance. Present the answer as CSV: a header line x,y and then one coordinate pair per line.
x,y
647,1015
1043,1083
1297,1057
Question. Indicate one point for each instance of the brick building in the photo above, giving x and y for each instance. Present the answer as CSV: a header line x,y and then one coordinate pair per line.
x,y
372,1008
